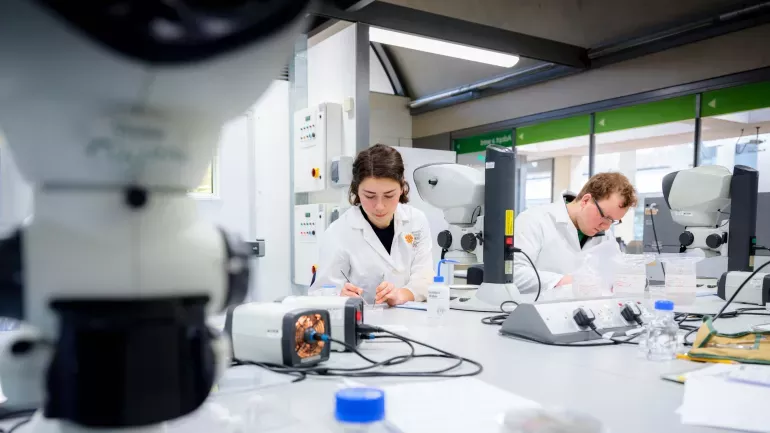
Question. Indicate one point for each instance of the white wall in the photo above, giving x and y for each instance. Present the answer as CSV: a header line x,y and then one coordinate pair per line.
x,y
15,192
728,54
390,122
273,192
253,186
230,208
331,66
378,78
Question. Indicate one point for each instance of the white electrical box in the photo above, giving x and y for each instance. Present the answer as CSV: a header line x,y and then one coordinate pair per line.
x,y
317,139
341,171
310,222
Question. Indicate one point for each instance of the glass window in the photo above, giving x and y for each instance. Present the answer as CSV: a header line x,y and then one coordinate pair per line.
x,y
554,159
206,186
645,143
734,134
539,183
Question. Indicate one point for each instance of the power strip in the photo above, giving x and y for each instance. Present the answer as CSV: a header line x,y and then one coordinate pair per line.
x,y
553,322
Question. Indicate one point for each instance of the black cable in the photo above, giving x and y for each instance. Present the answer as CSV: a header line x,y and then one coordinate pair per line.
x,y
686,336
537,274
626,341
441,354
367,370
19,424
655,235
350,348
729,301
17,413
498,319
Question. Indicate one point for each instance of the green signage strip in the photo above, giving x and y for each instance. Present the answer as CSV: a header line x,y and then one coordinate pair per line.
x,y
553,130
653,113
736,99
478,143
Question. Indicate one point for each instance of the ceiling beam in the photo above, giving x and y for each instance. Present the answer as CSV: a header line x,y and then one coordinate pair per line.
x,y
427,24
716,23
391,70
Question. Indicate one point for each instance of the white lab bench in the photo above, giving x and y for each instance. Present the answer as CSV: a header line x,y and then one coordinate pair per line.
x,y
612,383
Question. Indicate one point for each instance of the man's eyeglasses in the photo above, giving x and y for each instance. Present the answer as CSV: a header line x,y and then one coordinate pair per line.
x,y
606,218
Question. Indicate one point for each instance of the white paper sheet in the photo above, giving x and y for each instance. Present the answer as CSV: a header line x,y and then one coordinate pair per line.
x,y
710,399
432,406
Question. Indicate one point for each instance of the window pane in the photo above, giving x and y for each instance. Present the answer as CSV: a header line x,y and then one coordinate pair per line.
x,y
738,139
207,184
644,154
553,168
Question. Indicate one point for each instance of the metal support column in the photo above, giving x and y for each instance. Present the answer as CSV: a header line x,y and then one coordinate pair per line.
x,y
298,89
362,87
696,142
592,146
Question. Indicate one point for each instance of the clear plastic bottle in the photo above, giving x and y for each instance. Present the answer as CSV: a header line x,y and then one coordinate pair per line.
x,y
438,296
360,410
660,340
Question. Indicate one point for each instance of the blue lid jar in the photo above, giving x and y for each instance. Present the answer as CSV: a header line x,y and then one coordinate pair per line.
x,y
360,405
664,305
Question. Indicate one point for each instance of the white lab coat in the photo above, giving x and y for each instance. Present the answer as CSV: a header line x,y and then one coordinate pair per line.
x,y
350,245
549,237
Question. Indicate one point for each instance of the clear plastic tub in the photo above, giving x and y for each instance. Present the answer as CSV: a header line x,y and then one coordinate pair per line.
x,y
680,285
631,274
587,285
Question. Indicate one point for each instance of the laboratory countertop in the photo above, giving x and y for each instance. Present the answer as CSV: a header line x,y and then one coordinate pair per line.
x,y
612,383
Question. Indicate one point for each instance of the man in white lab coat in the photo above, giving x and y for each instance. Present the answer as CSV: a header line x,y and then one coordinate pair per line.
x,y
554,235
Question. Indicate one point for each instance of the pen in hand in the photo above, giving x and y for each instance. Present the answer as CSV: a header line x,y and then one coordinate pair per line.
x,y
348,280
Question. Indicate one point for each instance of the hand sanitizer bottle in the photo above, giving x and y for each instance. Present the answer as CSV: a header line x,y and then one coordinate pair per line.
x,y
438,296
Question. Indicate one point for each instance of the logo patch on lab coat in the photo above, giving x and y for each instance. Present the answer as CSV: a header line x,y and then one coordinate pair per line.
x,y
409,238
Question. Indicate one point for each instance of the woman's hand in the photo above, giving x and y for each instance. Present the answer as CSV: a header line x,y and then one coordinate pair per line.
x,y
384,291
393,296
351,291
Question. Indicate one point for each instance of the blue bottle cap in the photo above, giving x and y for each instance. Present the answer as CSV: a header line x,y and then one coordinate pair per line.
x,y
664,305
360,405
438,279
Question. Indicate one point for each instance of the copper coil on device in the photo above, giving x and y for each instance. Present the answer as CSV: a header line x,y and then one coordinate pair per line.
x,y
303,348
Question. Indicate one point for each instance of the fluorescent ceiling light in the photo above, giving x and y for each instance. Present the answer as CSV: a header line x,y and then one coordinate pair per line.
x,y
419,43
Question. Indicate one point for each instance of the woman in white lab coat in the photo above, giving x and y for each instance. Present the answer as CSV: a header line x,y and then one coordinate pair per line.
x,y
379,249
554,235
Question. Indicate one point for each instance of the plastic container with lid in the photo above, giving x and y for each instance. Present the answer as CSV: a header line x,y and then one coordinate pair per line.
x,y
360,410
680,278
631,274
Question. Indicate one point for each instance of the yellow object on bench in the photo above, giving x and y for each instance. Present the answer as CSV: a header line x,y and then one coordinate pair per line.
x,y
747,347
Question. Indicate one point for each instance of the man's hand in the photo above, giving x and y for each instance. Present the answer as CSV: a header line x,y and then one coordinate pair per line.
x,y
567,279
384,291
351,291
